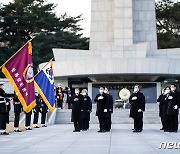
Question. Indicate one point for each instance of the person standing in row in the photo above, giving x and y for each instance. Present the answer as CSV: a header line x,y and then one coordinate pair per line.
x,y
163,107
60,96
173,109
8,108
36,110
77,107
87,109
137,101
109,107
28,120
101,100
3,109
17,110
44,111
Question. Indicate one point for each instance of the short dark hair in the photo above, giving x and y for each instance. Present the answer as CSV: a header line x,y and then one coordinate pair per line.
x,y
174,85
102,87
167,88
77,88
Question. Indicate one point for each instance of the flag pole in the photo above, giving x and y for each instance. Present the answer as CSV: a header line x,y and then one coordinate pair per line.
x,y
43,67
17,52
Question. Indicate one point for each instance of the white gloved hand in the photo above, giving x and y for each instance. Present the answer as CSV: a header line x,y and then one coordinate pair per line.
x,y
100,97
175,107
76,99
57,97
170,97
105,110
134,98
139,110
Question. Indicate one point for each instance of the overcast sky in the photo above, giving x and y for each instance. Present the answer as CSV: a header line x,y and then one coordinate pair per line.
x,y
72,8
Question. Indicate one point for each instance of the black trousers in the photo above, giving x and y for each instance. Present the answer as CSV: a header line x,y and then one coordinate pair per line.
x,y
28,119
77,125
16,119
3,121
7,117
59,103
102,122
165,124
36,117
138,123
43,118
85,124
108,123
173,122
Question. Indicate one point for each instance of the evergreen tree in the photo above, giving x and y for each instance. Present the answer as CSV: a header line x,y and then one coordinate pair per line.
x,y
23,19
168,23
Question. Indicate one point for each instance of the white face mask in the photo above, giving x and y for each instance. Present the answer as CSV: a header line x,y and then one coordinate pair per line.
x,y
172,89
101,91
167,91
135,90
84,94
105,91
76,92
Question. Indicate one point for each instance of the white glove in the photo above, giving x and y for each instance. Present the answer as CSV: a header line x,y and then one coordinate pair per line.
x,y
57,97
105,110
175,107
7,103
139,110
134,98
100,97
170,97
76,99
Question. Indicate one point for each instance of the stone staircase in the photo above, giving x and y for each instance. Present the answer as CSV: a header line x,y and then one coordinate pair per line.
x,y
120,116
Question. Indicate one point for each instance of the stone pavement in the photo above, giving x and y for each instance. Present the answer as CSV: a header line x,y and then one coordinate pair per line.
x,y
59,139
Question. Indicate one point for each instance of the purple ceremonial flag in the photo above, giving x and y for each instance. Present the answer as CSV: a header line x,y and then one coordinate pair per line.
x,y
19,71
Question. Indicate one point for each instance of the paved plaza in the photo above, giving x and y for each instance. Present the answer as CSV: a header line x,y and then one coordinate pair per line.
x,y
59,139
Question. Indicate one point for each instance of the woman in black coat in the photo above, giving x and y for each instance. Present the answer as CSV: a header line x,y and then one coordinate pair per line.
x,y
87,109
173,110
162,99
77,107
137,101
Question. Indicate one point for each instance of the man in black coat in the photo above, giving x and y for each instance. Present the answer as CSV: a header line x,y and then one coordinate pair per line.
x,y
137,101
109,107
173,109
101,100
3,109
36,110
17,110
87,109
162,99
44,111
77,108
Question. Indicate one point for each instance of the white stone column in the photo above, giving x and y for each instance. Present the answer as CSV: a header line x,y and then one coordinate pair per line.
x,y
90,89
123,23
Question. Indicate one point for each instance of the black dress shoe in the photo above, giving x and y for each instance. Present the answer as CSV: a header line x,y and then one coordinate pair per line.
x,y
28,129
44,126
36,127
76,130
133,129
162,129
101,131
4,133
17,130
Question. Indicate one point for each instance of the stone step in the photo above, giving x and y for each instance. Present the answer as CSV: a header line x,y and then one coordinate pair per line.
x,y
119,116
